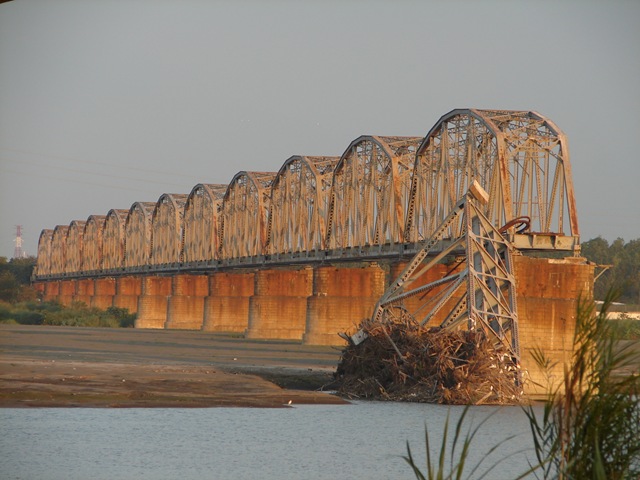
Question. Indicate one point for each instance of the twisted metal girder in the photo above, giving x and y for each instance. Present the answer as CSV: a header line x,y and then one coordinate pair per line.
x,y
113,238
92,243
245,207
482,294
73,248
298,205
137,234
520,158
200,232
43,262
58,248
166,229
369,192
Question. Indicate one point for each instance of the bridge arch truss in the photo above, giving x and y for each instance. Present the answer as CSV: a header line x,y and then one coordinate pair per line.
x,y
244,215
298,205
137,234
381,198
520,158
370,188
92,243
201,218
113,239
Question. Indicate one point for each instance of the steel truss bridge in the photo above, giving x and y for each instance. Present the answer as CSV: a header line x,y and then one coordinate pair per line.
x,y
383,198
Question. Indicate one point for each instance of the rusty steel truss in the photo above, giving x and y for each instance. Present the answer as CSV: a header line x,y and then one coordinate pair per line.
x,y
200,226
113,238
299,204
369,192
381,199
480,294
520,158
166,229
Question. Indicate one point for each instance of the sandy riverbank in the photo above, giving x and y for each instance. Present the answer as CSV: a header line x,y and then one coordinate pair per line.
x,y
89,367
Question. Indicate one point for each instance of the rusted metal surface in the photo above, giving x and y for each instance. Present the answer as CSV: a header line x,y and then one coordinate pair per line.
x,y
137,234
43,264
201,212
521,158
58,248
243,230
92,243
74,247
381,199
298,205
481,295
166,229
113,239
369,192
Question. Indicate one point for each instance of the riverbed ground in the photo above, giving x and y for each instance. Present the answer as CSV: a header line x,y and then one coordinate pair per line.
x,y
44,366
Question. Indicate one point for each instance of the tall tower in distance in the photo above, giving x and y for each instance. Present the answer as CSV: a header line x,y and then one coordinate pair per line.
x,y
18,252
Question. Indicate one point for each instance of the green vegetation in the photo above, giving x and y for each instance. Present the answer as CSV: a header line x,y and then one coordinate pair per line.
x,y
590,424
75,315
625,328
15,276
19,302
590,427
624,274
452,466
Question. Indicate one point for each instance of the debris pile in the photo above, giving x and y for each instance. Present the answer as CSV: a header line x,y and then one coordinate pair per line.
x,y
402,361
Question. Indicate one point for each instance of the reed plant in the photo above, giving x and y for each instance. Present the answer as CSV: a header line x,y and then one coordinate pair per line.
x,y
452,460
589,427
590,424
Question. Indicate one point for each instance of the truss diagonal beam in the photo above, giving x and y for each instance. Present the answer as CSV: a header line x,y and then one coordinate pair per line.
x,y
488,302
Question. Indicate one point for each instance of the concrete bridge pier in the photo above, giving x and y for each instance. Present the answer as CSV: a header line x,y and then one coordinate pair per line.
x,y
67,292
105,290
40,288
128,290
152,304
342,298
51,291
549,292
278,309
185,307
226,309
84,290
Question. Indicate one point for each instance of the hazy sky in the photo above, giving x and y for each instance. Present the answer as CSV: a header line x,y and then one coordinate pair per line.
x,y
105,103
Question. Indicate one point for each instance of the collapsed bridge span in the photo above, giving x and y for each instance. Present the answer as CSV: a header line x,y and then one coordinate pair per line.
x,y
306,251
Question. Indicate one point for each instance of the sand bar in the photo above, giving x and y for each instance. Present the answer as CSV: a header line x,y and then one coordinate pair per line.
x,y
42,366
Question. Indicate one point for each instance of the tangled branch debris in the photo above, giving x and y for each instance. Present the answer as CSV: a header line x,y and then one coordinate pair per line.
x,y
435,366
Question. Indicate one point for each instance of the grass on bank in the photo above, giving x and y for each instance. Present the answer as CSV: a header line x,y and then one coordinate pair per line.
x,y
78,314
590,423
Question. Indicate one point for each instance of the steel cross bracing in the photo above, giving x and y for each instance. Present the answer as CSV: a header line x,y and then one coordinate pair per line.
x,y
92,243
298,206
244,215
113,239
520,158
482,294
380,200
166,229
44,251
137,234
369,192
201,218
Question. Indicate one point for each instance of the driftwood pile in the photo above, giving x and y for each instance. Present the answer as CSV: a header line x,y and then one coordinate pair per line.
x,y
402,361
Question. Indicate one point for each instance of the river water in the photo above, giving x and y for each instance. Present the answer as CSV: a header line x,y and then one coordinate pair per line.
x,y
365,440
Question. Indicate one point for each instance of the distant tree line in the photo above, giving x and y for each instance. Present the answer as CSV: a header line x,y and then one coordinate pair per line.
x,y
19,302
624,274
15,277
